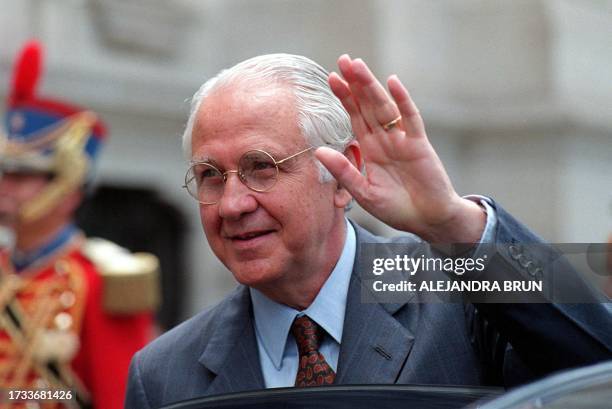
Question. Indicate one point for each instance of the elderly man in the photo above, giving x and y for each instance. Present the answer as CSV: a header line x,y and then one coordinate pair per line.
x,y
257,135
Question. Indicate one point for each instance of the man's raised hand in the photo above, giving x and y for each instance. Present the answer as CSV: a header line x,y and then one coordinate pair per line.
x,y
405,184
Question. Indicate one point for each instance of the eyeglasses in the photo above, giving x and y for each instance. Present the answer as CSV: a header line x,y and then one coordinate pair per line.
x,y
257,169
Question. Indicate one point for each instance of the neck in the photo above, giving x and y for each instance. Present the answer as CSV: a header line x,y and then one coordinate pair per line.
x,y
300,290
36,235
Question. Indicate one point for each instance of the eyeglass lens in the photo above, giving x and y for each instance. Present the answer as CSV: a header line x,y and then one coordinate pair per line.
x,y
256,169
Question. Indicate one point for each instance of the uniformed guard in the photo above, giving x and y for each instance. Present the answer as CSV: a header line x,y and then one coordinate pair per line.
x,y
72,311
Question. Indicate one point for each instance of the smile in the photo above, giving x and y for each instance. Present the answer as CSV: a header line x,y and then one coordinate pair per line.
x,y
251,241
250,235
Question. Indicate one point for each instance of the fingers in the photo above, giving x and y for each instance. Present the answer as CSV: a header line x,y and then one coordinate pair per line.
x,y
375,105
365,107
341,89
377,100
369,105
344,171
411,118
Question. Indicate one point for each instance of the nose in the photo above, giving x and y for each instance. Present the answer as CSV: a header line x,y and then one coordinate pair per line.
x,y
237,199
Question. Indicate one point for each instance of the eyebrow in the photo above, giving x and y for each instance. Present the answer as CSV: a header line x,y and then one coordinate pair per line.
x,y
203,159
276,154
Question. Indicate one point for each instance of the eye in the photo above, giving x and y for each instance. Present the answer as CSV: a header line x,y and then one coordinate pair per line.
x,y
206,174
209,173
262,165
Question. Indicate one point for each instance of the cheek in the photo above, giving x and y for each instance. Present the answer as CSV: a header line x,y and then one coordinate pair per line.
x,y
29,191
21,196
210,221
310,211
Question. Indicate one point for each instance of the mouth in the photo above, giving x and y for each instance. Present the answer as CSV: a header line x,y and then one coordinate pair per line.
x,y
244,237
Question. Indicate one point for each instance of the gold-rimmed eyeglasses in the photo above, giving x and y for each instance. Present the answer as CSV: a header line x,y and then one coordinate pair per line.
x,y
257,169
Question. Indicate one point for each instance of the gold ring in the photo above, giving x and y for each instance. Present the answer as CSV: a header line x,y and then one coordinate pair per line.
x,y
391,124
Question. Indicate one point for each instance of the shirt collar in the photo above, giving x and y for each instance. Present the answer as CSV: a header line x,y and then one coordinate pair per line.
x,y
273,320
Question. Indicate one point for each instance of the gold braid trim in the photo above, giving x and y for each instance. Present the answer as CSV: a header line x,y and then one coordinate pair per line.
x,y
68,276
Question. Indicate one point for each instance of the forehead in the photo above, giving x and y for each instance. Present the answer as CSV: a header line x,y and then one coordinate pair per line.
x,y
237,116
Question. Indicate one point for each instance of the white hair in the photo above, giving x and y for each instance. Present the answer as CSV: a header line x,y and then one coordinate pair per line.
x,y
323,120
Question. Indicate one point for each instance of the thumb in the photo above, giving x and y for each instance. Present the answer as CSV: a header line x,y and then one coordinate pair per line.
x,y
343,170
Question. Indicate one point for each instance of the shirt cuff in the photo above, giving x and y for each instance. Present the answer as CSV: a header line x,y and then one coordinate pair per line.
x,y
488,234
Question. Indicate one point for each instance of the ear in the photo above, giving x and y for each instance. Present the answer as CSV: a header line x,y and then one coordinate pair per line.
x,y
342,197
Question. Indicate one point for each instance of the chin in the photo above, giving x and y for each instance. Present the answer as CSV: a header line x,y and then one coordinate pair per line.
x,y
254,273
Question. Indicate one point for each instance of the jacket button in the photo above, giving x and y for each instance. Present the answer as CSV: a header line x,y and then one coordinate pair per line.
x,y
532,268
538,274
515,251
524,261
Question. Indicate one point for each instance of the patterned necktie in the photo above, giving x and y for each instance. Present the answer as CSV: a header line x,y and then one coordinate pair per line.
x,y
313,369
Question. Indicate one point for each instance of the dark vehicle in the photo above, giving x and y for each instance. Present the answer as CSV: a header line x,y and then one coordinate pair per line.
x,y
345,397
584,388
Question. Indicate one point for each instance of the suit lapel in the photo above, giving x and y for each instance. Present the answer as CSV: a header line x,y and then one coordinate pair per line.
x,y
231,354
374,345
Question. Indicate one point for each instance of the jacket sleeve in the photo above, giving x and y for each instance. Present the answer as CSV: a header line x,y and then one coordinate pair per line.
x,y
519,341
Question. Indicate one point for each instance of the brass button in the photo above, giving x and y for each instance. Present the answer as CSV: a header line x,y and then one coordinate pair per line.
x,y
41,383
63,321
67,299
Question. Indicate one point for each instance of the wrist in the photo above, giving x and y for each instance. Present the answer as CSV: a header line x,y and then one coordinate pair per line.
x,y
466,224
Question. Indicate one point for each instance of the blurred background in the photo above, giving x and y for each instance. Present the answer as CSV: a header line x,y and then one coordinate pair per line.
x,y
516,95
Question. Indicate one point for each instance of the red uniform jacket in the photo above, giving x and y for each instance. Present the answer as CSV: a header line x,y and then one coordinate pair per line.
x,y
57,303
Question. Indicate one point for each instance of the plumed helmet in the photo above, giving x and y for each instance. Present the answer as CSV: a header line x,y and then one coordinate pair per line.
x,y
47,135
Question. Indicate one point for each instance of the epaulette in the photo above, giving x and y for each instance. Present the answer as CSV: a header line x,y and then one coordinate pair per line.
x,y
131,280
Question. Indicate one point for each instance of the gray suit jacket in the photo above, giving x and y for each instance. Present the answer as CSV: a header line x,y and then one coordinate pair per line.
x,y
215,352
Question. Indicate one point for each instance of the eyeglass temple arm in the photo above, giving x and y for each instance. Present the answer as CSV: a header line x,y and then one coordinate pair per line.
x,y
294,155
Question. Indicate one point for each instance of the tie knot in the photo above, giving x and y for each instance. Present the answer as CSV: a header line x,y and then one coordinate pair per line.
x,y
307,334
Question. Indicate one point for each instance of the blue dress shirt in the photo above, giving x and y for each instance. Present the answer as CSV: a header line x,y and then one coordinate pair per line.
x,y
278,352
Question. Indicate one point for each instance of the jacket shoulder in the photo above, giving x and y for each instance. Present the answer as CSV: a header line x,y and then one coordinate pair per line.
x,y
130,281
169,368
192,336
